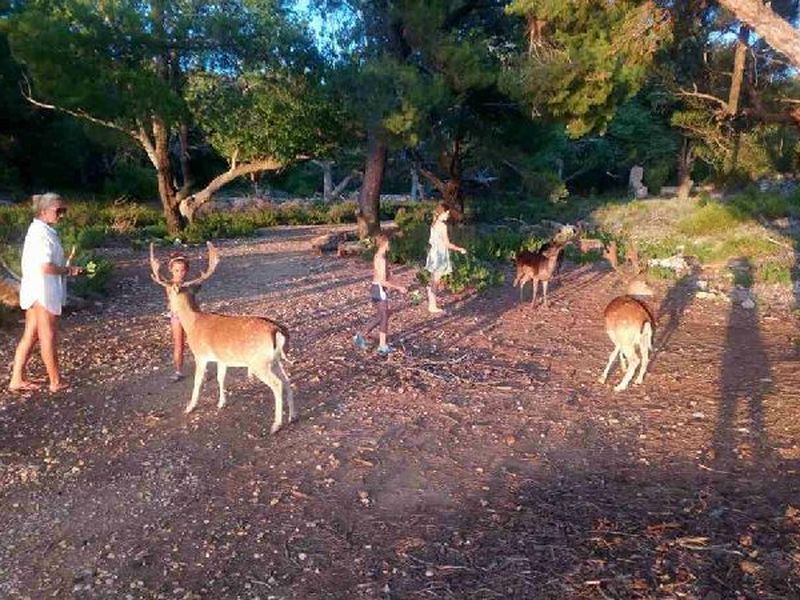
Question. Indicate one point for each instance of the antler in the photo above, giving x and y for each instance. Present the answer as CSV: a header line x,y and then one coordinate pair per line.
x,y
213,261
155,268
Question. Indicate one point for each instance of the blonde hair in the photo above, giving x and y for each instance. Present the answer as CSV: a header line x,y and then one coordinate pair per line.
x,y
41,202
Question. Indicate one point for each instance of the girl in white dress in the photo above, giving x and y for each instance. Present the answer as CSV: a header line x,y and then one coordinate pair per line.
x,y
438,263
42,292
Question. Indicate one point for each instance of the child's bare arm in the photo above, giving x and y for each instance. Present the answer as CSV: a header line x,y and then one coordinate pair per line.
x,y
395,286
454,247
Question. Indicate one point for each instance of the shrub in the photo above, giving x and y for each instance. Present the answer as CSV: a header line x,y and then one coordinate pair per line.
x,y
342,212
95,281
471,272
770,206
220,225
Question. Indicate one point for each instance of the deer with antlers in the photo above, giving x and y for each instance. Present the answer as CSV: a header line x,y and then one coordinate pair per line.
x,y
231,341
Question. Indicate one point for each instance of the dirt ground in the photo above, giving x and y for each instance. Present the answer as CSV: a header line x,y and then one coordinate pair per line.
x,y
481,460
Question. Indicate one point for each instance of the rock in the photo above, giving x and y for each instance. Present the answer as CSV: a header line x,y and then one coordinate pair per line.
x,y
349,249
748,304
326,243
675,263
635,182
701,284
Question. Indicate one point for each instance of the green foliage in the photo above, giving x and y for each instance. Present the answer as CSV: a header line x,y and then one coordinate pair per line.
x,y
277,115
769,206
592,56
94,282
130,180
774,272
410,245
471,272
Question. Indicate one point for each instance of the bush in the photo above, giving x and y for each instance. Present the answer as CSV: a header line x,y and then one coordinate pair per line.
x,y
342,212
220,225
769,206
411,243
95,281
471,272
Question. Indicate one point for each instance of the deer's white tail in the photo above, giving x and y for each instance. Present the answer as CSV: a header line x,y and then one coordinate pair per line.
x,y
280,344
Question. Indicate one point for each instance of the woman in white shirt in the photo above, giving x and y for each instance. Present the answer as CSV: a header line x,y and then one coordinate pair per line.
x,y
42,292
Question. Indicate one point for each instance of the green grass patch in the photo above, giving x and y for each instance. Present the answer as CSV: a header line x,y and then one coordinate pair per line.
x,y
713,218
774,272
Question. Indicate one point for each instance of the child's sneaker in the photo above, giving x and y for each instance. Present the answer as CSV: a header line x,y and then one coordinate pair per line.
x,y
359,342
384,350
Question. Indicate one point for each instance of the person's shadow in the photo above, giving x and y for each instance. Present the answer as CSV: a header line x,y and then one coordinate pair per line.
x,y
744,378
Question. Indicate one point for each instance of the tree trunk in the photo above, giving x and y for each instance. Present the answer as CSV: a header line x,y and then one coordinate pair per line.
x,y
327,180
417,191
685,163
777,32
187,181
190,204
737,76
370,196
166,189
452,193
339,189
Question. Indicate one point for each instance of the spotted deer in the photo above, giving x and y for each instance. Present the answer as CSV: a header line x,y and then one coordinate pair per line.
x,y
536,267
257,343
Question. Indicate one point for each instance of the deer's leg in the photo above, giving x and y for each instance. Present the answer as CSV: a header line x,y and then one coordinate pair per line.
x,y
611,360
633,362
280,373
533,298
544,291
265,374
199,375
221,370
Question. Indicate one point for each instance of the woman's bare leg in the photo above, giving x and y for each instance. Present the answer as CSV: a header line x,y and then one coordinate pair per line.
x,y
23,353
47,328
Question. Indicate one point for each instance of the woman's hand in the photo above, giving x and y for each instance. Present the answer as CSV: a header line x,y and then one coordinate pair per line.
x,y
462,250
74,271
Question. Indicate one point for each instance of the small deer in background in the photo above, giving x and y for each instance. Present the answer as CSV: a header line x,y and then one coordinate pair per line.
x,y
231,341
536,267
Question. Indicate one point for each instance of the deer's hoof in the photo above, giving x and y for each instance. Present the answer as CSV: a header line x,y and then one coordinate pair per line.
x,y
601,379
620,387
276,427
